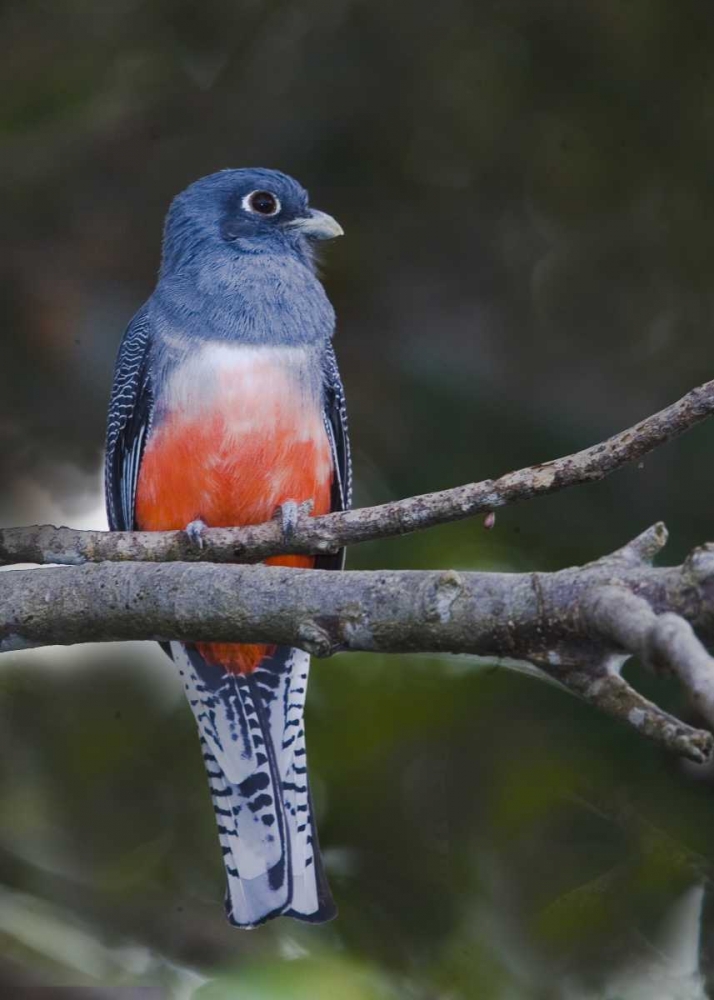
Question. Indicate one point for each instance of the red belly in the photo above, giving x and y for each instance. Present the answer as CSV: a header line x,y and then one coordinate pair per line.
x,y
208,469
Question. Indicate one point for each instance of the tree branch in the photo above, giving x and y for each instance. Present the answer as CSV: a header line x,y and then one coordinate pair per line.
x,y
574,624
330,532
663,642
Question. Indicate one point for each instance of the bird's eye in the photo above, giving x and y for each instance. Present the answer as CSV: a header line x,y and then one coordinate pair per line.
x,y
261,203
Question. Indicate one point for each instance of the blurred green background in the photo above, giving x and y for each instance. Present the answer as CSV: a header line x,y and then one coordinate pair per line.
x,y
528,196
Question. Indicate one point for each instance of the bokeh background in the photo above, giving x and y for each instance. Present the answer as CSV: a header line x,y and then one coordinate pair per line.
x,y
528,196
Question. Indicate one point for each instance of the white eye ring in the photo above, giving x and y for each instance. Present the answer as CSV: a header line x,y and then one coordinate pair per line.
x,y
251,203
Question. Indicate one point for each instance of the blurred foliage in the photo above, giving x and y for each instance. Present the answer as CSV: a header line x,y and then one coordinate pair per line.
x,y
526,187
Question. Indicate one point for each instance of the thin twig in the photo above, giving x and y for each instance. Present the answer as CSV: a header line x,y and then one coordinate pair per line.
x,y
330,532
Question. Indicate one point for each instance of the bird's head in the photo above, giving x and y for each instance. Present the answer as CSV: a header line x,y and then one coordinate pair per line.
x,y
243,211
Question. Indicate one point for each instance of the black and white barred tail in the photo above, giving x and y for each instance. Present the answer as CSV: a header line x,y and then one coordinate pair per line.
x,y
253,741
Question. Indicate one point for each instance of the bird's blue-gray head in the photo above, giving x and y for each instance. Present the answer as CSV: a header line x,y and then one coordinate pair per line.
x,y
238,261
247,211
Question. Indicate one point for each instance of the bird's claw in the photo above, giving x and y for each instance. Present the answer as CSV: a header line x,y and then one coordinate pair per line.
x,y
195,530
289,514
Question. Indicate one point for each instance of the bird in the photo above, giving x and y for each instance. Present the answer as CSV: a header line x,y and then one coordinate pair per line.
x,y
227,409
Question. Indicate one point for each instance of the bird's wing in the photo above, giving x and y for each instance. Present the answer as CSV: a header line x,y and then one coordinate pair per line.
x,y
336,426
128,423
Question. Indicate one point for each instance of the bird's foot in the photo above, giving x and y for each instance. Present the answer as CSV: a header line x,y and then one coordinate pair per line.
x,y
289,514
195,530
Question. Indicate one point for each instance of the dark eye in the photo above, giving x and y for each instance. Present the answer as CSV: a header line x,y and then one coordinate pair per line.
x,y
261,203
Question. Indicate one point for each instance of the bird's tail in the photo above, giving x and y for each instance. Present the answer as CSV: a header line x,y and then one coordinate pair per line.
x,y
253,742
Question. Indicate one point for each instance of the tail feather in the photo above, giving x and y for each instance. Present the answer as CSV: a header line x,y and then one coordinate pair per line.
x,y
253,742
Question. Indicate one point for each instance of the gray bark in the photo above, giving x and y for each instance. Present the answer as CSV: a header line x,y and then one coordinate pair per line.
x,y
574,625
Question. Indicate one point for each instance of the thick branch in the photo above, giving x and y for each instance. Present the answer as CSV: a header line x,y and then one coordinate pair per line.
x,y
330,532
568,623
